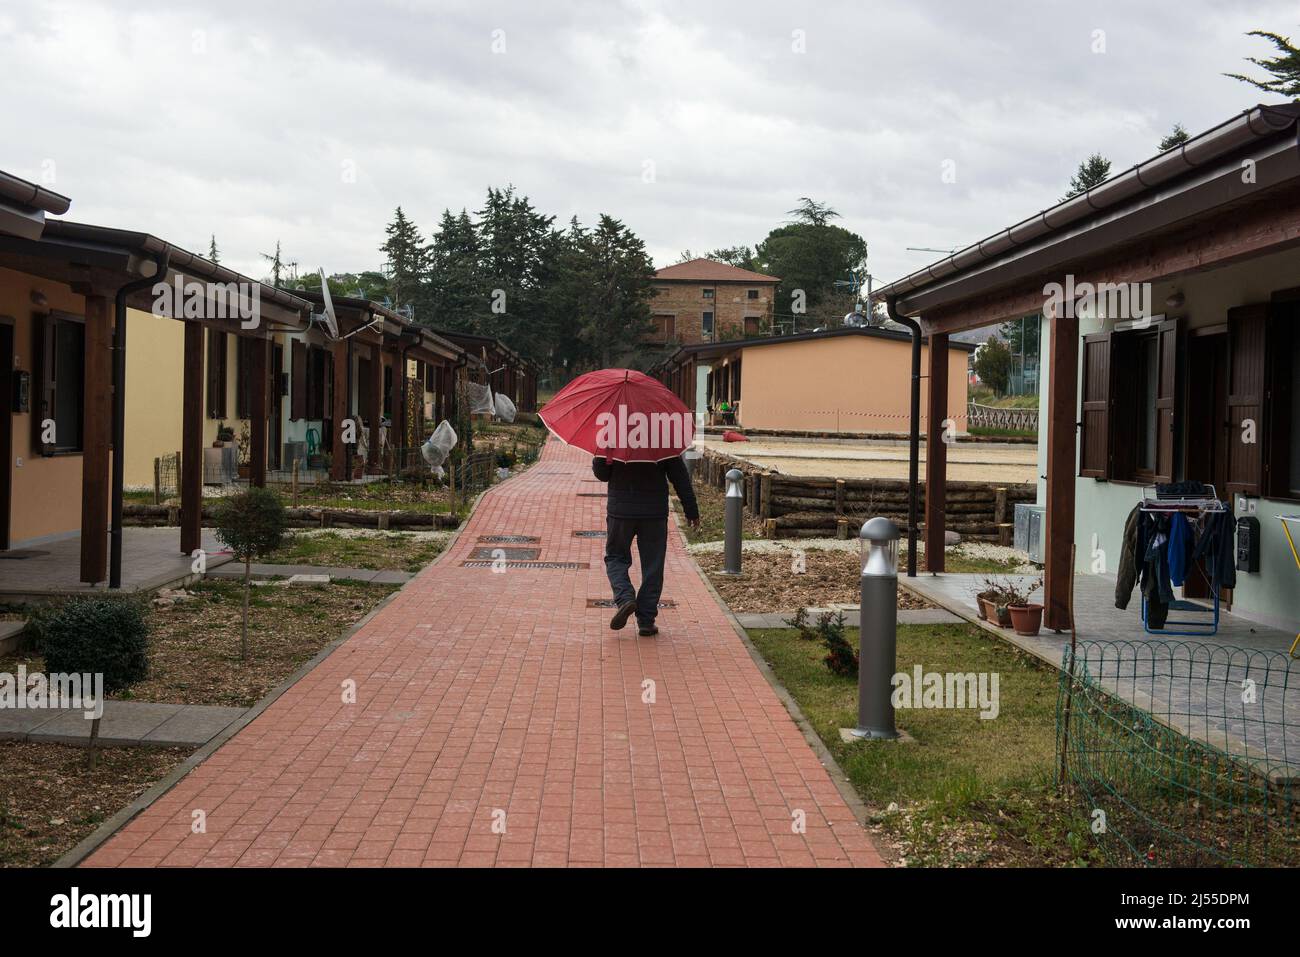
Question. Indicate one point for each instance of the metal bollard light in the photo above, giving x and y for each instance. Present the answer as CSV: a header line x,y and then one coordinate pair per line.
x,y
878,629
735,502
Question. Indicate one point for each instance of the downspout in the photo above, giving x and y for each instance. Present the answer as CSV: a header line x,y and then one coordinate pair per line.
x,y
119,412
914,438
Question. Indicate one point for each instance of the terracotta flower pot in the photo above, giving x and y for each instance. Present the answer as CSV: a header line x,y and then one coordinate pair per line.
x,y
994,613
1026,619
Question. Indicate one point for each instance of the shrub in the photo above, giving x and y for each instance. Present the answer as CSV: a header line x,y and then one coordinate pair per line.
x,y
841,658
108,636
252,524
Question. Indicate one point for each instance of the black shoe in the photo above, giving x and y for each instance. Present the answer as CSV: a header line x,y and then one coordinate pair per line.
x,y
622,615
647,631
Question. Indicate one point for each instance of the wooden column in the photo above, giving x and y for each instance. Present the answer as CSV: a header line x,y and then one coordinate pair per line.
x,y
1062,416
376,401
257,401
191,477
96,426
339,410
936,453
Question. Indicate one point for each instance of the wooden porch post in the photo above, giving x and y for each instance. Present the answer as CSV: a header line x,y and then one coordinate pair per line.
x,y
339,411
1062,415
96,423
376,400
936,453
191,476
257,401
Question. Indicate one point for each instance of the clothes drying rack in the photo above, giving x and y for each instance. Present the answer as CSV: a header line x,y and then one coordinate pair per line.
x,y
1153,502
1287,521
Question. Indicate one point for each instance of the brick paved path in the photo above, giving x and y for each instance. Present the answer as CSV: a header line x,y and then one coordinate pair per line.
x,y
488,698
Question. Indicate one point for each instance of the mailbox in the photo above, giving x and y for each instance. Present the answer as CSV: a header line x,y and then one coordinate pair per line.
x,y
1248,544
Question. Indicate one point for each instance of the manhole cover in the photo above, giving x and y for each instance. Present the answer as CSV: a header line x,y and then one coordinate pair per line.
x,y
510,539
609,603
589,533
514,553
507,563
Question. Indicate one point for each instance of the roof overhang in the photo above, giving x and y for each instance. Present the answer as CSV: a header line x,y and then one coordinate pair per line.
x,y
1204,176
24,205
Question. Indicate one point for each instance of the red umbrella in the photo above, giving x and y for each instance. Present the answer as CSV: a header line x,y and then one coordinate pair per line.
x,y
622,415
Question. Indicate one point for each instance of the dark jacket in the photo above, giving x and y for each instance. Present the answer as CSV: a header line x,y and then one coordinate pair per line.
x,y
640,489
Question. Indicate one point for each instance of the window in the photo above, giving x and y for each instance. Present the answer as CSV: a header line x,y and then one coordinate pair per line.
x,y
216,374
388,392
751,294
243,377
663,330
318,372
60,391
1129,391
298,380
752,326
708,293
707,325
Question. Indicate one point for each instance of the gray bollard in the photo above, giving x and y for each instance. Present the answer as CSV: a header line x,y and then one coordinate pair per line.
x,y
735,502
878,629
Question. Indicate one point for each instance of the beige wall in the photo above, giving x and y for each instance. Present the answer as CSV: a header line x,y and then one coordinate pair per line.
x,y
839,384
155,350
46,491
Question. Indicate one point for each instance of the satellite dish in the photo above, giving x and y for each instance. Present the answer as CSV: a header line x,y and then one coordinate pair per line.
x,y
331,320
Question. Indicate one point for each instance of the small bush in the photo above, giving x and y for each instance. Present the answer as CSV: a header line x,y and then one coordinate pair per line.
x,y
841,658
96,635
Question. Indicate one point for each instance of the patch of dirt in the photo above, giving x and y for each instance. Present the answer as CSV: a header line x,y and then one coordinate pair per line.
x,y
769,582
50,800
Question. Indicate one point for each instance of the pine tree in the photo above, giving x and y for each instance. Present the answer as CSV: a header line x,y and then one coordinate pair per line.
x,y
619,278
455,286
1285,67
214,255
406,263
280,270
1095,169
1176,137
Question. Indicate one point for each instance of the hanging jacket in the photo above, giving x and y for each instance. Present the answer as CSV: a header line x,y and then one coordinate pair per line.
x,y
1180,545
1127,575
1218,546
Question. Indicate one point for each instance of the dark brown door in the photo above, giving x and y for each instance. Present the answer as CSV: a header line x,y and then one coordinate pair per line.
x,y
277,407
1208,432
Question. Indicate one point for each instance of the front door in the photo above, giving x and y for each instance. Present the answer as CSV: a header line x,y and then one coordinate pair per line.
x,y
1207,450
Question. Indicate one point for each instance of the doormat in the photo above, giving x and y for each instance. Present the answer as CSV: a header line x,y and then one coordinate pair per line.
x,y
589,533
506,563
609,603
18,554
515,553
510,539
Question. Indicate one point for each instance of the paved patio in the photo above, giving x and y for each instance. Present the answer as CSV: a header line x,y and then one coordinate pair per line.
x,y
124,723
151,559
499,722
1194,684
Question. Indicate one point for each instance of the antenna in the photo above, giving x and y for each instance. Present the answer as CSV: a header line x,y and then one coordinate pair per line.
x,y
930,249
331,319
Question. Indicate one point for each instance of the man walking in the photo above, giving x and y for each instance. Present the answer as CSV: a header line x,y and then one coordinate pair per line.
x,y
638,508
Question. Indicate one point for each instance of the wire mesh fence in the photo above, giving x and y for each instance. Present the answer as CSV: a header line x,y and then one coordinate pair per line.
x,y
1182,753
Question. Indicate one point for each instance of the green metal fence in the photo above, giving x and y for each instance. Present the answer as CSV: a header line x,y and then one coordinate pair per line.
x,y
1182,753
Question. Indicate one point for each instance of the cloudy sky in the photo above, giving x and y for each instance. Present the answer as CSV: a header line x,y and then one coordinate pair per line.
x,y
699,124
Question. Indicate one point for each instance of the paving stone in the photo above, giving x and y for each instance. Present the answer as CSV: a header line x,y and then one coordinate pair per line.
x,y
193,724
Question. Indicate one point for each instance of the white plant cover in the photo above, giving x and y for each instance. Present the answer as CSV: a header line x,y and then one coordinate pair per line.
x,y
505,408
480,398
439,445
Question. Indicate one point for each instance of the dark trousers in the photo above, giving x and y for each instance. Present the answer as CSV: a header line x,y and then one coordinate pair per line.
x,y
651,536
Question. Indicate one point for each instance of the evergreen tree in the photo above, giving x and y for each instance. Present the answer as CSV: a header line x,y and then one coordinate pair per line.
x,y
1095,169
214,255
406,263
1176,137
809,255
1285,67
742,257
456,296
281,271
619,278
511,236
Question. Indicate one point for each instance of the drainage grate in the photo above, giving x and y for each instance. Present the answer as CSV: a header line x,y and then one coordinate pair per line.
x,y
593,495
520,554
474,563
510,539
589,533
609,603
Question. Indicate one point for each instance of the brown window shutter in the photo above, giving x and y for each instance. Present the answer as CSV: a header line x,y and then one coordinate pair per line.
x,y
298,380
243,380
1094,444
1166,399
216,374
1247,327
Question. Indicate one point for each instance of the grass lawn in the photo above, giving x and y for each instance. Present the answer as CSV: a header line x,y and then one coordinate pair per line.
x,y
50,800
968,791
194,644
403,551
713,517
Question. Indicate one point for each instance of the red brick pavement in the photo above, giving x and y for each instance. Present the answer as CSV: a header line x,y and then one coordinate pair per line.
x,y
486,698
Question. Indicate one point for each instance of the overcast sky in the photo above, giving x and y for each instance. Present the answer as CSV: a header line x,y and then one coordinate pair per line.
x,y
698,124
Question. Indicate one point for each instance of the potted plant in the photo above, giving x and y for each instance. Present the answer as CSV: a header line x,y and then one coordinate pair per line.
x,y
1026,616
225,435
992,601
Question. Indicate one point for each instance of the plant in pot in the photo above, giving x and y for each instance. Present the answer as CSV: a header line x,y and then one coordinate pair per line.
x,y
993,600
225,435
1026,616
